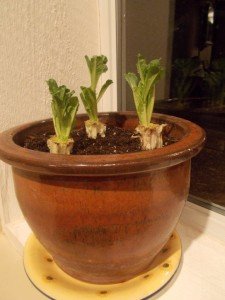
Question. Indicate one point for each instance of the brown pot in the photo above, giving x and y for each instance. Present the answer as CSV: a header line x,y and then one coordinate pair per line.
x,y
103,218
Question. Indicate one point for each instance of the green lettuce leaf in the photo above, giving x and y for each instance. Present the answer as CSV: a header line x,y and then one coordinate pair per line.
x,y
143,87
64,109
97,65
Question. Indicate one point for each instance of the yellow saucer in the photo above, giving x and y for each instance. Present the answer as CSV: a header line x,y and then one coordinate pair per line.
x,y
56,284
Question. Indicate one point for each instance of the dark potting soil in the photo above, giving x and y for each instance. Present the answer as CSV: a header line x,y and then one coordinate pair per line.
x,y
116,141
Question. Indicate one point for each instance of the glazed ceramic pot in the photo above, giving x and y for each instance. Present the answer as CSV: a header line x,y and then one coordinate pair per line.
x,y
103,218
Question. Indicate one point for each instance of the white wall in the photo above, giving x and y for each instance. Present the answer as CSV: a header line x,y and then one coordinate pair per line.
x,y
40,39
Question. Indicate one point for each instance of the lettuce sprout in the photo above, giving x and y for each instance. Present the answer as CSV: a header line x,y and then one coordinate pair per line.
x,y
97,66
143,88
64,109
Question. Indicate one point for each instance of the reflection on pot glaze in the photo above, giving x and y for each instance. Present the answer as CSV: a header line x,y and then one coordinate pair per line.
x,y
103,218
111,231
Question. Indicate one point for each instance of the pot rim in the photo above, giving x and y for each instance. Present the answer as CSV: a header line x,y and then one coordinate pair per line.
x,y
102,165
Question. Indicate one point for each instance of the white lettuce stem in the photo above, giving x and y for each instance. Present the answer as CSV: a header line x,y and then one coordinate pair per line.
x,y
151,136
93,128
57,147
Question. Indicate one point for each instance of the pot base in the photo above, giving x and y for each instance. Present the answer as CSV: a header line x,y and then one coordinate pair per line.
x,y
56,284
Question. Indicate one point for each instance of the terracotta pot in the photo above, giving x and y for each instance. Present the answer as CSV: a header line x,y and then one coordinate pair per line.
x,y
103,218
